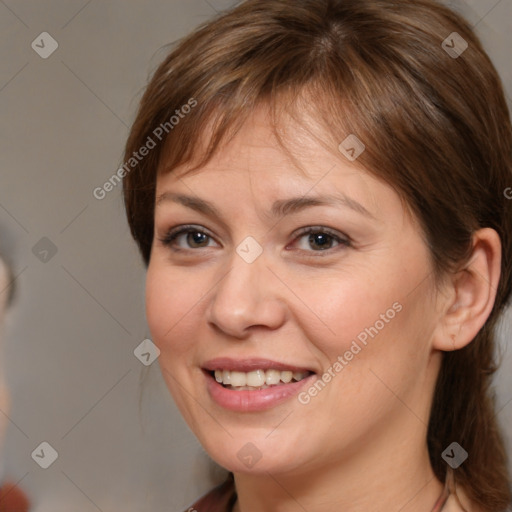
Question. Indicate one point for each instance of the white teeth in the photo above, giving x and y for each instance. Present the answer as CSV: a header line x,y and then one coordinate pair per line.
x,y
257,378
238,379
226,377
286,376
272,377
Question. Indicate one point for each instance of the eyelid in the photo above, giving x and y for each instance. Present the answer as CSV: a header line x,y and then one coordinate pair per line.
x,y
322,229
173,233
343,240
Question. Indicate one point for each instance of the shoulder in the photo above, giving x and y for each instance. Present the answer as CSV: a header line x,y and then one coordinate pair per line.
x,y
219,499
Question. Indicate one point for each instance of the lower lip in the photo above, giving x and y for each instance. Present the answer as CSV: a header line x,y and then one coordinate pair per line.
x,y
250,401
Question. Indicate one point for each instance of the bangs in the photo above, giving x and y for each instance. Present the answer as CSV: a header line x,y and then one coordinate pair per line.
x,y
193,145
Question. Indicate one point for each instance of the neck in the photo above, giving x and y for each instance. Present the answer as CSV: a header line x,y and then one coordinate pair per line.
x,y
396,476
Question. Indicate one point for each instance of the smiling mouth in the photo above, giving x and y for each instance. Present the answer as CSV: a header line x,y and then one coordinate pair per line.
x,y
257,379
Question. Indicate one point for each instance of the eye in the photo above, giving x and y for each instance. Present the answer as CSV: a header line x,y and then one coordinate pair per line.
x,y
321,238
195,236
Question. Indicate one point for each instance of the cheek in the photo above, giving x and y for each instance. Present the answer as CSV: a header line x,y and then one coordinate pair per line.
x,y
346,307
170,303
171,322
369,319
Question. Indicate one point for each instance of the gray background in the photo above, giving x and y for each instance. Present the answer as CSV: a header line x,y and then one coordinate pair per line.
x,y
69,339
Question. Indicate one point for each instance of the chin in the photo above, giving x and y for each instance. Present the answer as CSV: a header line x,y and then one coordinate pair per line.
x,y
241,455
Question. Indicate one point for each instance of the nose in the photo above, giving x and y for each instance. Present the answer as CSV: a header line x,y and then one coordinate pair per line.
x,y
246,297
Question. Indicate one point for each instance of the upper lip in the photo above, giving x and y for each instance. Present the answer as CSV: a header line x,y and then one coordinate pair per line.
x,y
250,364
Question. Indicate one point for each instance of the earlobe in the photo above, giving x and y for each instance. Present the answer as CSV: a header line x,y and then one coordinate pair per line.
x,y
473,292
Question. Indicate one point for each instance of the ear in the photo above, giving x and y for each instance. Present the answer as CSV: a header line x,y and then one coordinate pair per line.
x,y
471,293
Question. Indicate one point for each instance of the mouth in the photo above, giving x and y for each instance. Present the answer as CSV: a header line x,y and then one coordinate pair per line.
x,y
258,379
256,390
254,384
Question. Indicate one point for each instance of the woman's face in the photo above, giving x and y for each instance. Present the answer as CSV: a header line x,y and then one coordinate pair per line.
x,y
354,303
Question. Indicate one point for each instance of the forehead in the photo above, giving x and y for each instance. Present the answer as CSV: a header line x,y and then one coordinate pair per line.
x,y
253,167
303,150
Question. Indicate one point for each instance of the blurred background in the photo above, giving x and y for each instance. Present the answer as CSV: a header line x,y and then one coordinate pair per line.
x,y
71,73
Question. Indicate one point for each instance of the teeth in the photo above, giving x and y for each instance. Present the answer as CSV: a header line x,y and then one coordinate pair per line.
x,y
272,377
299,375
238,379
286,376
257,378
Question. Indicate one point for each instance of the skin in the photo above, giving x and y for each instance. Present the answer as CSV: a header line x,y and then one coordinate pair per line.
x,y
360,444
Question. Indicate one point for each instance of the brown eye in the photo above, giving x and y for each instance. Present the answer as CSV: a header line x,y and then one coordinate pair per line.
x,y
321,239
195,238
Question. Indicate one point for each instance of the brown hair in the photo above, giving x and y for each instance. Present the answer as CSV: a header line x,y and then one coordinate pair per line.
x,y
435,125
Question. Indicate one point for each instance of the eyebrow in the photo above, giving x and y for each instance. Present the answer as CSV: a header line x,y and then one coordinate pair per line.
x,y
280,208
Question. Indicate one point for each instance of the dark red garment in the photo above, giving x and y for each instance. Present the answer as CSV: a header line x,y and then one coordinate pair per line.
x,y
220,499
13,499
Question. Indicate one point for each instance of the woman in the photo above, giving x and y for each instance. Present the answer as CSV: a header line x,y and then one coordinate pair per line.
x,y
317,190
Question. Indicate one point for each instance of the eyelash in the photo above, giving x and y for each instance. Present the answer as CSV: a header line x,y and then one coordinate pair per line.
x,y
173,234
